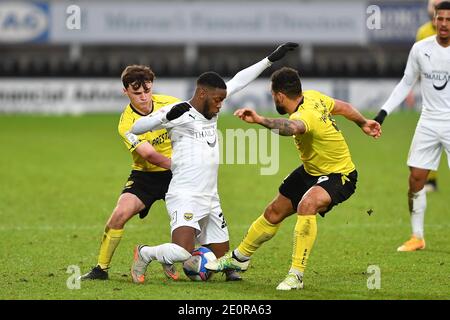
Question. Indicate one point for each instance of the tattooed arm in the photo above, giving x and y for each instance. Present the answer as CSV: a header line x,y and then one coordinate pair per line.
x,y
284,127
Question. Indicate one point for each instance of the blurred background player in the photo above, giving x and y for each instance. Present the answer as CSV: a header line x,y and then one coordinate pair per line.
x,y
192,200
326,178
429,59
150,175
426,30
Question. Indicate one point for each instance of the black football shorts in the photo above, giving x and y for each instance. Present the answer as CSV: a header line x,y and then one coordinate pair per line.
x,y
148,187
338,186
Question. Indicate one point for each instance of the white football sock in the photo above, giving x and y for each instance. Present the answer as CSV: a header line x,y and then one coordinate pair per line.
x,y
240,256
418,202
297,272
167,253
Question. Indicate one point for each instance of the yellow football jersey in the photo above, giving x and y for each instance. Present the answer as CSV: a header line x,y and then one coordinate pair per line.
x,y
159,139
322,147
426,30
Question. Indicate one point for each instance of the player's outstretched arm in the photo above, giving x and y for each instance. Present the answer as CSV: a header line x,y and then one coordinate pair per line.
x,y
369,127
247,75
148,123
159,118
284,127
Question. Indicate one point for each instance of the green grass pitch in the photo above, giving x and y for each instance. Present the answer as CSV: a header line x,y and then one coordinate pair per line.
x,y
61,177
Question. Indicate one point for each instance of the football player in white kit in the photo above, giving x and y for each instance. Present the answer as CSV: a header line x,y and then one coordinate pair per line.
x,y
192,200
428,59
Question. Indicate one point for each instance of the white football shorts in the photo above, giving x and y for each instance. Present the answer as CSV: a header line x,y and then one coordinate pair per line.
x,y
427,144
199,211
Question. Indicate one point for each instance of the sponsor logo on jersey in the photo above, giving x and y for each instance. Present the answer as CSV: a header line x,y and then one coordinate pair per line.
x,y
438,78
160,139
205,133
212,144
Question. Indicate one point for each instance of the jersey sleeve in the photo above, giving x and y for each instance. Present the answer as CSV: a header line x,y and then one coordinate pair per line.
x,y
157,121
245,76
412,70
131,140
306,117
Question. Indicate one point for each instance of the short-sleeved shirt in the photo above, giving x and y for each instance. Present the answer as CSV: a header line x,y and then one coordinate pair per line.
x,y
322,147
159,139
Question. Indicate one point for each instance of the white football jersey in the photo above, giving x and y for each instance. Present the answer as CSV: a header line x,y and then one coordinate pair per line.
x,y
430,62
195,157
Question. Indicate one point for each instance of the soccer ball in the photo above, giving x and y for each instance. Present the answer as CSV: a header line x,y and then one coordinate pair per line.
x,y
194,267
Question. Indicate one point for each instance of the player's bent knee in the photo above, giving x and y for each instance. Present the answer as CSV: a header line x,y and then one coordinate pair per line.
x,y
273,215
311,205
119,217
417,181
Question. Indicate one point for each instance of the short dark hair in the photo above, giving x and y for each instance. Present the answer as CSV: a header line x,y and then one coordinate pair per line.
x,y
287,80
136,76
212,80
444,5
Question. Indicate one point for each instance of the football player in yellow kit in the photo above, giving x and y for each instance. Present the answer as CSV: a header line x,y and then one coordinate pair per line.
x,y
326,178
150,175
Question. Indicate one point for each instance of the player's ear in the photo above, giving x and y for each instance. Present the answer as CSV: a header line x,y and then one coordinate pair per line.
x,y
280,96
203,92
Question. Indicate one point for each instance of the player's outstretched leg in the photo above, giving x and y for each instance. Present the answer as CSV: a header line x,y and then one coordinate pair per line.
x,y
167,254
228,262
139,266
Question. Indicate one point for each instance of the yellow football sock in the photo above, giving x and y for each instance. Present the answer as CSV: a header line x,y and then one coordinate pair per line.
x,y
259,232
305,233
110,241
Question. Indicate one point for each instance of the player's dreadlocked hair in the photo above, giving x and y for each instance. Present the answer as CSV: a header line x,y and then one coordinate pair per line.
x,y
287,81
211,79
136,76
